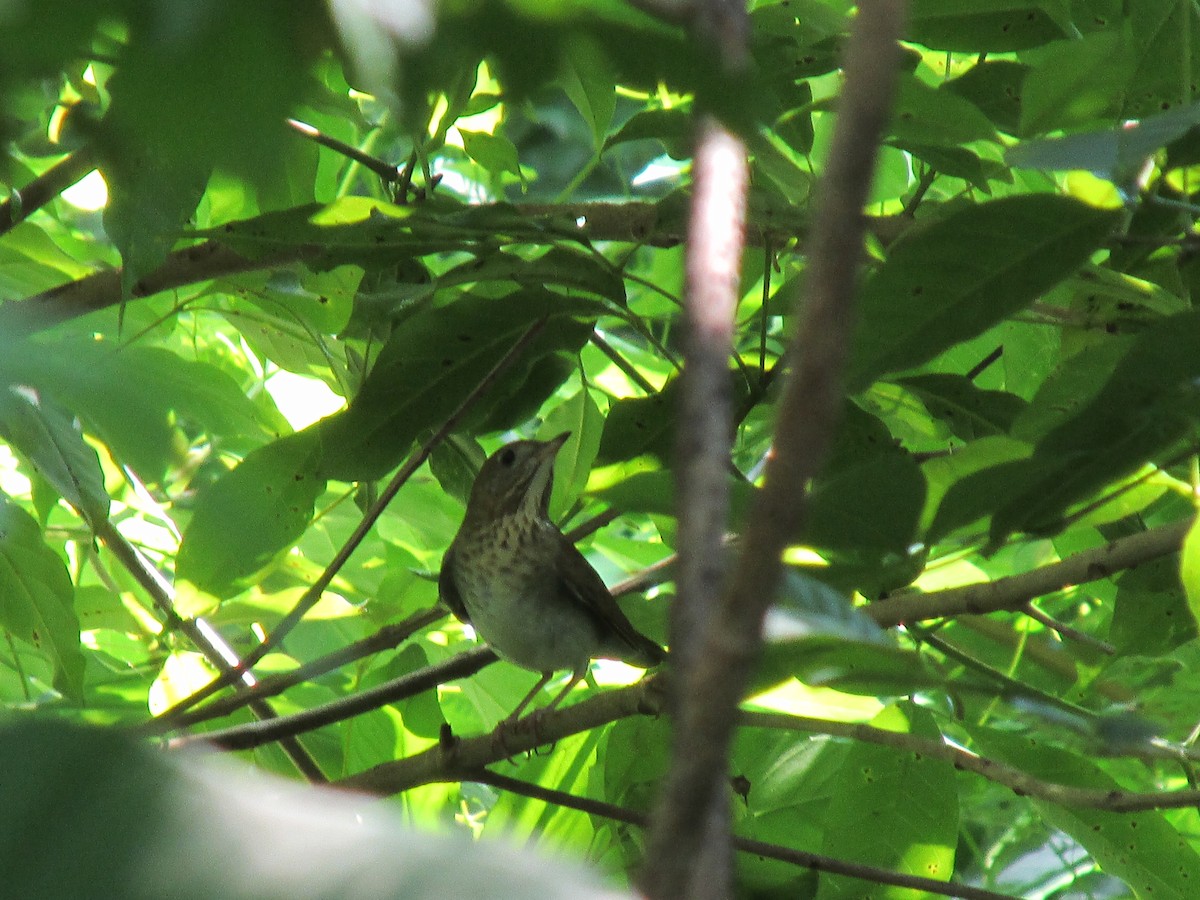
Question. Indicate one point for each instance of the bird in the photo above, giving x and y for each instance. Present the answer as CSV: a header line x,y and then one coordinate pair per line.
x,y
526,590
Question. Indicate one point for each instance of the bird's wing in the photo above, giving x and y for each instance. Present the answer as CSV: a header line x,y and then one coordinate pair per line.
x,y
584,583
448,590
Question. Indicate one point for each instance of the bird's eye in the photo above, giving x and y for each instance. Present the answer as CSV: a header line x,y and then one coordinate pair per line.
x,y
508,456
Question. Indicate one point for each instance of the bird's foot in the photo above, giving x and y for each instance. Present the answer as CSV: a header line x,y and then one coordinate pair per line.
x,y
516,729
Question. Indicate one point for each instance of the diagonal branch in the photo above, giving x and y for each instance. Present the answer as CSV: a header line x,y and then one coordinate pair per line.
x,y
313,595
255,734
1014,591
33,196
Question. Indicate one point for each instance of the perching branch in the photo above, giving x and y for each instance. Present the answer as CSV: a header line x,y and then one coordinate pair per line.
x,y
456,759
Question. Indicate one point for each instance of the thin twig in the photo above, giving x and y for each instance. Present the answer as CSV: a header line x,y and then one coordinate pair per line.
x,y
1066,630
255,734
814,861
1017,780
384,170
386,638
622,363
203,637
37,193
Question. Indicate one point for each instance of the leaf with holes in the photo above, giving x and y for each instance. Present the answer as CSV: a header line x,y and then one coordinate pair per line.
x,y
952,280
36,597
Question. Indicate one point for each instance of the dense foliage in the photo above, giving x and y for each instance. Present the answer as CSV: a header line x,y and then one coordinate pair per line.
x,y
216,351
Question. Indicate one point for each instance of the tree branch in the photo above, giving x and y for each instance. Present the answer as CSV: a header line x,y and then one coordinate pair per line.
x,y
312,596
640,223
456,759
715,242
255,734
814,861
808,411
45,187
1019,782
202,636
1013,592
386,638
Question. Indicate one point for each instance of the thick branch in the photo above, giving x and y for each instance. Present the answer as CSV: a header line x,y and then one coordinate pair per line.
x,y
640,223
716,238
1013,592
457,759
808,411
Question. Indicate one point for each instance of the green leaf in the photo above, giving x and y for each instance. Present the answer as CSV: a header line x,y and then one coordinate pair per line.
x,y
868,826
871,506
243,521
926,115
670,127
969,412
588,81
945,472
93,380
431,363
494,152
1148,404
1074,83
933,293
957,162
237,70
581,416
983,26
1151,613
1167,71
994,87
93,805
36,597
49,438
654,492
559,266
1189,568
454,463
1140,848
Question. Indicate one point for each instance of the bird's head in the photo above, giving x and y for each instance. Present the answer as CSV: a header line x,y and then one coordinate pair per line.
x,y
516,479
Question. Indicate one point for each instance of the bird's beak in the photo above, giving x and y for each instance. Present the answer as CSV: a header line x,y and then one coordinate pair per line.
x,y
556,443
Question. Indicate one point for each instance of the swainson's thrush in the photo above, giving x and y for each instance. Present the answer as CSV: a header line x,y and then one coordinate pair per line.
x,y
513,576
